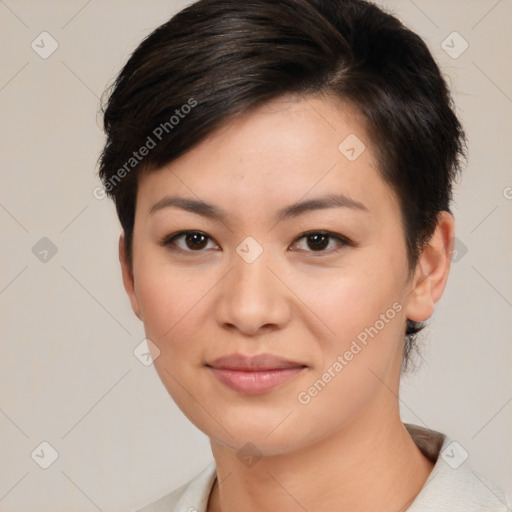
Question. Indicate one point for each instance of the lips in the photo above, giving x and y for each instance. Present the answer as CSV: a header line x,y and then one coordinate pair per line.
x,y
254,374
257,362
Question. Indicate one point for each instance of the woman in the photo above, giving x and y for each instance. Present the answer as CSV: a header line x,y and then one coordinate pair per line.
x,y
283,174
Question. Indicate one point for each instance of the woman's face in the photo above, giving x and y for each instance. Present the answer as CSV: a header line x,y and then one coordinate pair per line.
x,y
251,282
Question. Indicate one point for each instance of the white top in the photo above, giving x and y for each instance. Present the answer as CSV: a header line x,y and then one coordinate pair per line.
x,y
452,486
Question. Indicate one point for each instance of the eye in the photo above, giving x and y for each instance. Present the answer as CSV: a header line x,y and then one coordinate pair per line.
x,y
318,241
193,241
196,241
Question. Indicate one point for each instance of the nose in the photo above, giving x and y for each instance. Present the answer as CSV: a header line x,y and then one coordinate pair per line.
x,y
252,298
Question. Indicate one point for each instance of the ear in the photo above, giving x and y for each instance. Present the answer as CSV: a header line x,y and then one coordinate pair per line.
x,y
128,278
432,270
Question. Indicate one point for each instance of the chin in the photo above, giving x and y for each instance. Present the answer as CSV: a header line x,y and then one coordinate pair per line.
x,y
264,435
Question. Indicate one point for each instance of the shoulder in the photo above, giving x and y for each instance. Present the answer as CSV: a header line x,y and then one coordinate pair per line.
x,y
192,496
453,485
167,503
462,490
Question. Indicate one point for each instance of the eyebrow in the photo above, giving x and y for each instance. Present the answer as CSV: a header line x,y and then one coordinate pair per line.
x,y
213,212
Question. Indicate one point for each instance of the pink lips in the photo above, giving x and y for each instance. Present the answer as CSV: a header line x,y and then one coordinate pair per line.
x,y
254,374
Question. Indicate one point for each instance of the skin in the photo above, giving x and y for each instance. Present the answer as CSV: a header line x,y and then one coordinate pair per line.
x,y
347,449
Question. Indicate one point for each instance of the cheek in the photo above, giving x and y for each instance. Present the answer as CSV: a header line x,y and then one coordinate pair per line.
x,y
365,313
365,317
169,301
348,301
167,298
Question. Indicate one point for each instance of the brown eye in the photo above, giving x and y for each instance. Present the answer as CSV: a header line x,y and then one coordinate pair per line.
x,y
319,241
190,241
195,240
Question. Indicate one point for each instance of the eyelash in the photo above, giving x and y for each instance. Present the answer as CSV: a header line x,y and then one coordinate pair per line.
x,y
169,241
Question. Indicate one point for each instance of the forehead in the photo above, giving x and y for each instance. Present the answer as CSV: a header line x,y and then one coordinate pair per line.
x,y
286,150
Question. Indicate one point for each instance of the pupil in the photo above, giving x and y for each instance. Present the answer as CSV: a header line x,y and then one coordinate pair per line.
x,y
319,241
197,240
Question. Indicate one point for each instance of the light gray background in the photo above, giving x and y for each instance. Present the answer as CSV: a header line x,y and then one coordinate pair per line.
x,y
68,375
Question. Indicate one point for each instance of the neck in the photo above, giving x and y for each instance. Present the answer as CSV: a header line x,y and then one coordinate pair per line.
x,y
372,464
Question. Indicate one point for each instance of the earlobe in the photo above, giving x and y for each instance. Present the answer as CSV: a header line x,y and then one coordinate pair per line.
x,y
432,270
128,277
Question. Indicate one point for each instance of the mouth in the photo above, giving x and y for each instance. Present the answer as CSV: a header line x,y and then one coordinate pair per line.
x,y
254,374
